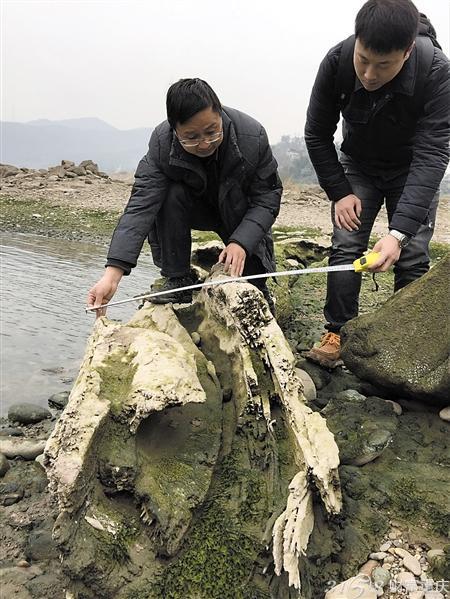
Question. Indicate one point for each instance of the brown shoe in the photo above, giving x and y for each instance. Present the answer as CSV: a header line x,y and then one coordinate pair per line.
x,y
329,351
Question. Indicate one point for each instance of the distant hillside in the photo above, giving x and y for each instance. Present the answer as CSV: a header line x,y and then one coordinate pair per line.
x,y
293,160
41,143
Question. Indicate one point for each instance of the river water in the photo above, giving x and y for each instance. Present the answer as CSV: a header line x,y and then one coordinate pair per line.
x,y
44,327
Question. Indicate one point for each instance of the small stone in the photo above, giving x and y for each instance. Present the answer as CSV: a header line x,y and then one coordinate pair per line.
x,y
196,338
378,555
11,431
27,413
4,465
398,543
392,535
22,563
407,581
395,406
309,388
412,564
59,400
385,546
368,567
358,587
416,595
381,576
28,449
434,552
433,595
351,395
390,559
444,414
401,552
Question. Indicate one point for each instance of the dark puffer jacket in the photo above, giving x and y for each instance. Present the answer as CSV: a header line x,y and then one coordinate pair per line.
x,y
390,136
249,189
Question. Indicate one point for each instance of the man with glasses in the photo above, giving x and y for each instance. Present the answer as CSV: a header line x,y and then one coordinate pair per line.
x,y
209,168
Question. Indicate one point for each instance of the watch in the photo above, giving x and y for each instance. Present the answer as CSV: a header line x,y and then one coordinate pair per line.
x,y
402,239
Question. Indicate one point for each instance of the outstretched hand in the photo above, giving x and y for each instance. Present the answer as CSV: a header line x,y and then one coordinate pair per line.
x,y
233,256
104,289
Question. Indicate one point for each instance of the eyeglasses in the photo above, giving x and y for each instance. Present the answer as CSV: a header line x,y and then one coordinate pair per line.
x,y
192,143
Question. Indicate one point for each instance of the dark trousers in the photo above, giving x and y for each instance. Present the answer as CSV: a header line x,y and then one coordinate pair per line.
x,y
343,288
180,213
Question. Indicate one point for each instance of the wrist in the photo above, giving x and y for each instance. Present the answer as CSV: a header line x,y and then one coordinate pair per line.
x,y
113,273
401,238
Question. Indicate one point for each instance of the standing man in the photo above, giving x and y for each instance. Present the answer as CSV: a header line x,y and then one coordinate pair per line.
x,y
210,168
392,86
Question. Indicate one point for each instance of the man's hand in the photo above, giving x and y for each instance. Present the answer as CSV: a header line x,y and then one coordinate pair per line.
x,y
234,258
347,211
389,250
104,289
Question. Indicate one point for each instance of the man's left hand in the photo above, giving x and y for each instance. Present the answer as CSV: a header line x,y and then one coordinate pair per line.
x,y
233,257
389,251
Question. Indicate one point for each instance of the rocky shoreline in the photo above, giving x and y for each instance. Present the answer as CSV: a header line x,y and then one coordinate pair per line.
x,y
394,451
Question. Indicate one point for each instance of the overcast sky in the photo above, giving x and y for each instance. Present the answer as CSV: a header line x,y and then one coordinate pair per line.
x,y
115,59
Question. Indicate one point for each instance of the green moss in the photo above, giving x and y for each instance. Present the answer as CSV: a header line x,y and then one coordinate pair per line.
x,y
19,214
117,375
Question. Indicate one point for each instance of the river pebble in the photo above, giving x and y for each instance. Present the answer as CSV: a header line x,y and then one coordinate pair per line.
x,y
378,555
59,400
381,576
28,449
444,414
412,564
27,413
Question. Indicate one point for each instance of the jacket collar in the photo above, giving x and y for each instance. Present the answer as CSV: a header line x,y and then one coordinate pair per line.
x,y
404,82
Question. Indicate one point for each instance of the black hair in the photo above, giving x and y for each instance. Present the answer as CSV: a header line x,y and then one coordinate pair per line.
x,y
387,25
186,97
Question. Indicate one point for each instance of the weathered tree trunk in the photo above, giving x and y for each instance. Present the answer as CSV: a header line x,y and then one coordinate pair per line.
x,y
186,470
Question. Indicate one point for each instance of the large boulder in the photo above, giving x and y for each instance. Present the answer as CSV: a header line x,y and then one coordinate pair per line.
x,y
404,345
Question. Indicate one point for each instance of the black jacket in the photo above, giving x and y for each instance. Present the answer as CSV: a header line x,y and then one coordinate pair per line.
x,y
392,137
249,191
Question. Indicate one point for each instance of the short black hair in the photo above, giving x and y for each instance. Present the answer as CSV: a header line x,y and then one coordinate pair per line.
x,y
387,25
186,97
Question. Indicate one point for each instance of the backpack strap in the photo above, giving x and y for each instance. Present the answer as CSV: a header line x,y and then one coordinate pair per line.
x,y
425,56
345,76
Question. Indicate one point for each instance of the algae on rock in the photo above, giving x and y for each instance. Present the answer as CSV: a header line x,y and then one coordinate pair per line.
x,y
404,345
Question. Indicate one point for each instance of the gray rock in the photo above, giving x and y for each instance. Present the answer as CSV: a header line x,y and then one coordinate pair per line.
x,y
309,388
27,413
28,449
375,443
10,493
4,465
78,170
57,171
373,348
71,175
40,544
381,577
59,400
67,163
7,170
11,431
351,395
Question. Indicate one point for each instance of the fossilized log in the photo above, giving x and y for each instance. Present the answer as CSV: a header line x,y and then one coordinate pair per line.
x,y
185,471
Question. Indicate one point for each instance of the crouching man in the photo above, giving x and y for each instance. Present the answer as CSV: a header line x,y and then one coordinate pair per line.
x,y
209,168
